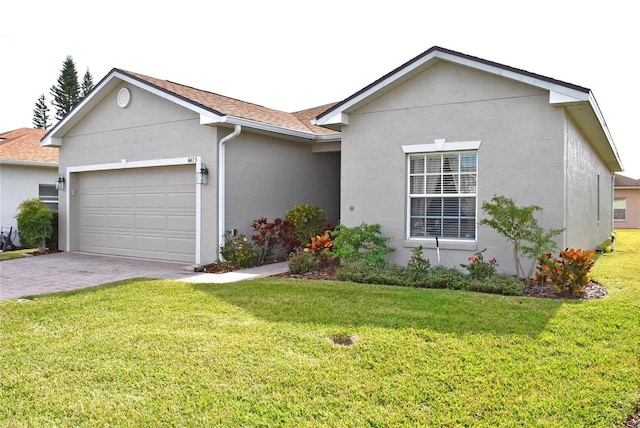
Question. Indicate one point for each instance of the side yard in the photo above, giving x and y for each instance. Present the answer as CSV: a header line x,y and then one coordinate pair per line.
x,y
287,352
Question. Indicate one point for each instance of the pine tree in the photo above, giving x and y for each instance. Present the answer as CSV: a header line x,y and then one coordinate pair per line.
x,y
87,84
41,114
66,94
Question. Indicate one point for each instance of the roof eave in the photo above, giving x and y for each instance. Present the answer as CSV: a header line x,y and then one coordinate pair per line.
x,y
29,163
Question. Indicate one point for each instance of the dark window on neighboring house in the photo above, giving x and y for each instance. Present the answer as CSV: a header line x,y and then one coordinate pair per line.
x,y
442,195
620,209
49,195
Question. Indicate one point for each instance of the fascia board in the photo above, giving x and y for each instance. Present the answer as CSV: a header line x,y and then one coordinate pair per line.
x,y
29,163
558,93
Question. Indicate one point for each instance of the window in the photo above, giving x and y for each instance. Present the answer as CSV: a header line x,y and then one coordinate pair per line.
x,y
442,194
620,209
49,195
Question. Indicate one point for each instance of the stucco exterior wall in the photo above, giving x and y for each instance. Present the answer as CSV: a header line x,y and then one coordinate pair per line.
x,y
20,182
266,177
521,155
589,194
632,220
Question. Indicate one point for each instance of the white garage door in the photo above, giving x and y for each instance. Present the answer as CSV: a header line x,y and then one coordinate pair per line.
x,y
142,212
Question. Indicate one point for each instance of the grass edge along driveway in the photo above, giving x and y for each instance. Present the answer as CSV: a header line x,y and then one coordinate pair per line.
x,y
257,353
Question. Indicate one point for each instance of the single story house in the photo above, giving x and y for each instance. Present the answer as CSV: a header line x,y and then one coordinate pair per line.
x,y
27,170
416,151
626,205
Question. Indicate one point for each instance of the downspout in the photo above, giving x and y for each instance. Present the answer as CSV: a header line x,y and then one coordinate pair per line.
x,y
221,184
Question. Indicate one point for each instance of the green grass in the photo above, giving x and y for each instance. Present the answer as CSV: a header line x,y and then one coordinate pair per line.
x,y
16,254
258,353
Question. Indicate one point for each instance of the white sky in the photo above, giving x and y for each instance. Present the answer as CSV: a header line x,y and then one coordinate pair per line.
x,y
295,54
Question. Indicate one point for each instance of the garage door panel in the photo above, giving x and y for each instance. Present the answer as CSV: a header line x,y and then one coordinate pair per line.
x,y
120,241
179,223
120,221
119,200
120,180
145,212
180,200
153,222
94,201
93,220
151,200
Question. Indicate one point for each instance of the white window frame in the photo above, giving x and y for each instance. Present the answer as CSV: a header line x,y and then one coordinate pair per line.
x,y
442,147
49,200
617,208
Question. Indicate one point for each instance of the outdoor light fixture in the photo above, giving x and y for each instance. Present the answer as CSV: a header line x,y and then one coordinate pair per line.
x,y
60,183
202,175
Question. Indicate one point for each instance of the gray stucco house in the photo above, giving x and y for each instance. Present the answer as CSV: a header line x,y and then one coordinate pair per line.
x,y
417,151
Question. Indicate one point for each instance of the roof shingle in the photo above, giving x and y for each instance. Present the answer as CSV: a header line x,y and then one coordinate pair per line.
x,y
23,144
622,181
226,106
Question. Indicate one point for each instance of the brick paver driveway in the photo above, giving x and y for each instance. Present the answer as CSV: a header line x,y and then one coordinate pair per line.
x,y
69,271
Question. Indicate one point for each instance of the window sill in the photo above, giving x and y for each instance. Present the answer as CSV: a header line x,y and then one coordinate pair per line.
x,y
445,244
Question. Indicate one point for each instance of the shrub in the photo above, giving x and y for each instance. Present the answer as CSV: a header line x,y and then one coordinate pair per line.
x,y
239,251
320,247
272,239
479,268
520,227
569,273
418,264
444,277
497,284
301,262
362,272
308,221
361,243
34,223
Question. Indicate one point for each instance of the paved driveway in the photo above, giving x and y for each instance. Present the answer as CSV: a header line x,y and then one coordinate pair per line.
x,y
68,271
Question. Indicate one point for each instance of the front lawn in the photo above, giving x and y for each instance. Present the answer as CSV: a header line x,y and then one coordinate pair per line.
x,y
258,353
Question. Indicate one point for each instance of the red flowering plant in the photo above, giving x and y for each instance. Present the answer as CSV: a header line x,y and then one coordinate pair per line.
x,y
479,268
417,263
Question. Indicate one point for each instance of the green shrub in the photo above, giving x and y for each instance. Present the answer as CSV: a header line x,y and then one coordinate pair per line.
x,y
34,224
445,277
364,273
418,264
497,284
308,221
239,251
301,262
361,243
479,268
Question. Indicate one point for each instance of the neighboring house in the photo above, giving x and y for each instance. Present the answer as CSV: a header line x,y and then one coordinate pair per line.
x,y
27,170
626,205
425,145
417,151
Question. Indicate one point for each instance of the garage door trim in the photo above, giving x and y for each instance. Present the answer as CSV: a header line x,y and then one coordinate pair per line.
x,y
196,161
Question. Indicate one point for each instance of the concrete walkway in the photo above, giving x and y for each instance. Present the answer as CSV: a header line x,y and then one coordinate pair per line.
x,y
51,273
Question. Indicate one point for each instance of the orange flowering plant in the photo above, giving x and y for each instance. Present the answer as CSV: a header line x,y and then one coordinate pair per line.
x,y
569,273
320,246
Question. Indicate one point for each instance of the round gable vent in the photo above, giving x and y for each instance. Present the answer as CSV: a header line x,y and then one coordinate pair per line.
x,y
123,97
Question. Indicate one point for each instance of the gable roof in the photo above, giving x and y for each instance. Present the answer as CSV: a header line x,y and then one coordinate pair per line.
x,y
22,146
621,181
579,101
213,109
